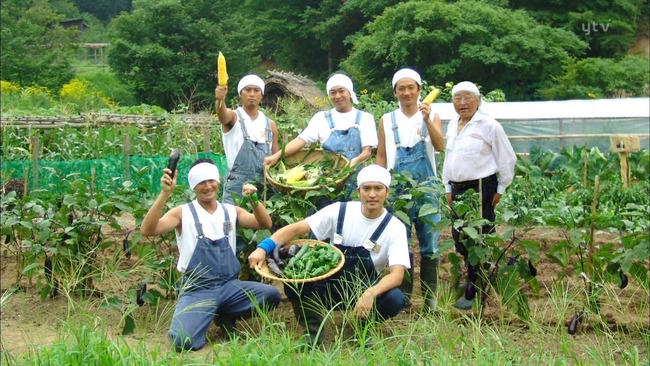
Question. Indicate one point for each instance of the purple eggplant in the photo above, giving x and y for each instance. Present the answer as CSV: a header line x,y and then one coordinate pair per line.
x,y
273,267
573,324
470,291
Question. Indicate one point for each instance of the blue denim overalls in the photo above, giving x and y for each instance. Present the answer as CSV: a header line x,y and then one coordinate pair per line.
x,y
347,143
415,160
341,290
210,287
249,163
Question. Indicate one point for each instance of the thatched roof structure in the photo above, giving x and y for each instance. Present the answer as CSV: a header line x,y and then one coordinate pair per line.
x,y
281,84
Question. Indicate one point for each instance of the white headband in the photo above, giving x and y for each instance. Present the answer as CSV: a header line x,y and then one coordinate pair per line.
x,y
202,172
406,73
344,81
465,86
250,80
373,173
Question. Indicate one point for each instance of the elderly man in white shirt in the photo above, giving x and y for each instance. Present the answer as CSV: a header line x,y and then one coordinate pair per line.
x,y
478,154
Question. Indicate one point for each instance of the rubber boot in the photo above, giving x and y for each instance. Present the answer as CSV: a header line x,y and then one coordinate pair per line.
x,y
429,282
407,282
228,323
312,320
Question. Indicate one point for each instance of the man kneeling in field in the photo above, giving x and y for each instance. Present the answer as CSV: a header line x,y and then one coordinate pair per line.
x,y
372,241
205,235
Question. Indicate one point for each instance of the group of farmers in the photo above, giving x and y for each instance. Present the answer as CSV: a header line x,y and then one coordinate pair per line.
x,y
478,156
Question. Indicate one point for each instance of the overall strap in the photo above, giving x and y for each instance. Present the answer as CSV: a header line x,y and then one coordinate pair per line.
x,y
339,221
381,227
199,226
423,134
226,223
269,132
330,121
395,133
243,125
358,119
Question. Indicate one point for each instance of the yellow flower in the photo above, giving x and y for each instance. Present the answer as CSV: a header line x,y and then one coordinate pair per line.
x,y
363,91
7,87
591,95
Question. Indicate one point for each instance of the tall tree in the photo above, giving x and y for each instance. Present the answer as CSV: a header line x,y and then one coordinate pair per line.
x,y
610,27
35,49
468,40
104,10
167,49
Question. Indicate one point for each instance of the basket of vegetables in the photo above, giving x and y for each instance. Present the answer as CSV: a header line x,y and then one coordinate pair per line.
x,y
302,260
308,169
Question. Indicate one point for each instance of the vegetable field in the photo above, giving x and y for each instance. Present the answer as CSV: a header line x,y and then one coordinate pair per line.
x,y
565,277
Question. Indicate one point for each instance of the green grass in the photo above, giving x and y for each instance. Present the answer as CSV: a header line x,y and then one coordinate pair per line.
x,y
446,338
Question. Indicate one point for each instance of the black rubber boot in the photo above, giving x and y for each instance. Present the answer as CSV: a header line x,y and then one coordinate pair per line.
x,y
429,282
407,282
228,323
313,335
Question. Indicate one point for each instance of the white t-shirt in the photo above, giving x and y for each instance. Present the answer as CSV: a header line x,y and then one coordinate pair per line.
x,y
318,130
409,130
393,243
233,139
212,225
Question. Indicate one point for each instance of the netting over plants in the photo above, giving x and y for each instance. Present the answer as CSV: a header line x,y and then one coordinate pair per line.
x,y
143,172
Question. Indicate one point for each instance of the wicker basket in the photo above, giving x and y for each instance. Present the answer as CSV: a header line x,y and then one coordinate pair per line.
x,y
310,156
264,271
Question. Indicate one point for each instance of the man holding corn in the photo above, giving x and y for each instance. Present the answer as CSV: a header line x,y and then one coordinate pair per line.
x,y
343,129
408,138
248,136
375,246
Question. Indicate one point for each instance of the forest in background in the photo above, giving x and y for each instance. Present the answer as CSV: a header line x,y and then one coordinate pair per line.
x,y
163,52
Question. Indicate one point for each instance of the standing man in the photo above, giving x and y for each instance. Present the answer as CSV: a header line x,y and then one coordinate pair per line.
x,y
408,137
478,154
205,236
376,254
342,130
248,136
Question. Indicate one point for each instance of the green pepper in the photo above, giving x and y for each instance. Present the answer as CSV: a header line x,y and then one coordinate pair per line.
x,y
319,271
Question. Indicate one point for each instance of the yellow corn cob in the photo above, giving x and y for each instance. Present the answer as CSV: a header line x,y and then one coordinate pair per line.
x,y
295,174
221,70
433,94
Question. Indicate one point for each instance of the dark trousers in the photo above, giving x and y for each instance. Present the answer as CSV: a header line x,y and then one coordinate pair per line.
x,y
489,189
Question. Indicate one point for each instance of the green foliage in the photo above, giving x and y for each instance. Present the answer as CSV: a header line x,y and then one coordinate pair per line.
x,y
600,78
461,41
33,51
609,27
167,50
111,87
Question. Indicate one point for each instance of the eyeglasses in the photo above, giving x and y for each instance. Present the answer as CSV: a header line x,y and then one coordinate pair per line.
x,y
466,98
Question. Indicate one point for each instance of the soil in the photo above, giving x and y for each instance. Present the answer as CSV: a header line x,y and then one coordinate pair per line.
x,y
27,322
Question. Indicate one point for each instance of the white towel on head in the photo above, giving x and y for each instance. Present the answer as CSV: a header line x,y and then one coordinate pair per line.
x,y
250,80
373,173
202,172
344,81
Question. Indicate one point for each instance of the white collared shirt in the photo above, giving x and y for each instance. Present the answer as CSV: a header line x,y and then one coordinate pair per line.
x,y
478,151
